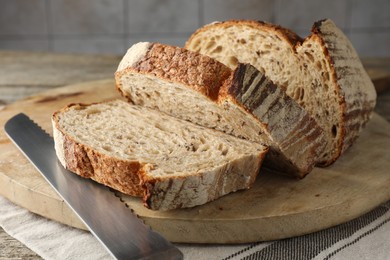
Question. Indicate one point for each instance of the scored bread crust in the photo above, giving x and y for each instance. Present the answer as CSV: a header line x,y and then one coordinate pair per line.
x,y
133,177
297,139
352,87
202,187
352,83
209,78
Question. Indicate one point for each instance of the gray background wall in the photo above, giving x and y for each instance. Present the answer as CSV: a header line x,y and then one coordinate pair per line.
x,y
111,26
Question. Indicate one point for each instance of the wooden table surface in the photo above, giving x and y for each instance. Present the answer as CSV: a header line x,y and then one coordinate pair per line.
x,y
25,73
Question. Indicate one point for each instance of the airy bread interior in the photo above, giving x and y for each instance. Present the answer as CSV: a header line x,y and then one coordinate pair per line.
x,y
183,102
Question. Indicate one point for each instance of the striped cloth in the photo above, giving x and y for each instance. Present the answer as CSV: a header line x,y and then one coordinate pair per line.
x,y
344,241
366,237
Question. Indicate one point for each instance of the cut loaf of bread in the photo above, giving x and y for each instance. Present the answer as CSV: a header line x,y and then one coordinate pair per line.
x,y
242,103
141,152
322,73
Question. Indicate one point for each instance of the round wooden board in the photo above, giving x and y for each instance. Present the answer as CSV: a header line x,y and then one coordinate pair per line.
x,y
276,207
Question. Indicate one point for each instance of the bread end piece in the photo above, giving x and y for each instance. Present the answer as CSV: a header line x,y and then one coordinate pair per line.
x,y
355,90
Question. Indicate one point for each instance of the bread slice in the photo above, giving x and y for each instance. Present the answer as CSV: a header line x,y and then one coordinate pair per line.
x,y
322,73
242,103
141,152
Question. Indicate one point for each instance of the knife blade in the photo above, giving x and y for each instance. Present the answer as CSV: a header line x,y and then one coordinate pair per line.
x,y
120,231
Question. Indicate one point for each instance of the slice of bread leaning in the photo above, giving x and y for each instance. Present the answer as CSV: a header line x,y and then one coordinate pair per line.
x,y
322,73
141,152
242,103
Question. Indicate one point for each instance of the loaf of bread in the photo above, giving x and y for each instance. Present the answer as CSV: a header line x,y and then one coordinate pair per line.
x,y
322,72
241,102
142,152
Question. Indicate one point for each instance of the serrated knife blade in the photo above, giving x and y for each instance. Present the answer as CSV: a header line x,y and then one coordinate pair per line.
x,y
120,231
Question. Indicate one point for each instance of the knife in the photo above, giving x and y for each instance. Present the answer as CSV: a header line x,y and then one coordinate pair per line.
x,y
120,231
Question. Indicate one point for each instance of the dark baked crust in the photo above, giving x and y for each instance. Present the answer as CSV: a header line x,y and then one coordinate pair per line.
x,y
175,64
306,135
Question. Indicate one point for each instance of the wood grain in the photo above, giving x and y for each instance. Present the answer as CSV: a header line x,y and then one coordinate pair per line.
x,y
26,73
276,207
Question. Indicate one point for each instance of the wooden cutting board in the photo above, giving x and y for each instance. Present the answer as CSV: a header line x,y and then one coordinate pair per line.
x,y
276,207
